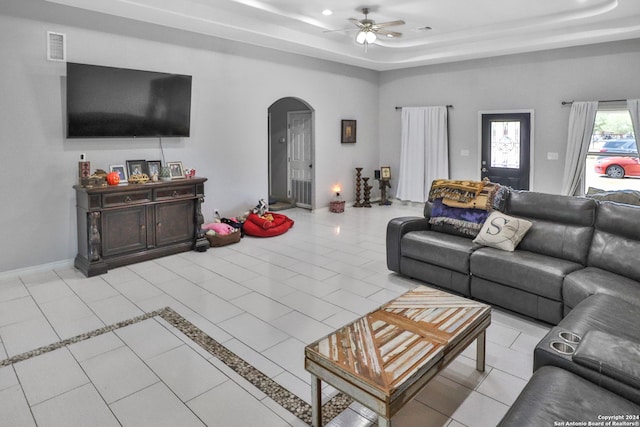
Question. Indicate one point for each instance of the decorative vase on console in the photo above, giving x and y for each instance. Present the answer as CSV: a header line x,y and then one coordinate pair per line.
x,y
165,173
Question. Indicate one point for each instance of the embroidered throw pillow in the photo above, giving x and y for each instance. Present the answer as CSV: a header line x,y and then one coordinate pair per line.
x,y
501,231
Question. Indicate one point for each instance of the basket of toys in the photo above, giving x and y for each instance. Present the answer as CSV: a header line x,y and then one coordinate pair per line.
x,y
221,234
216,240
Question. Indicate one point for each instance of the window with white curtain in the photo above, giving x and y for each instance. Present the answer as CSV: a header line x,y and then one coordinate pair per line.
x,y
612,161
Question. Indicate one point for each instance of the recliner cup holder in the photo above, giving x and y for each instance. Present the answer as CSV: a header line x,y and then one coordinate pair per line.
x,y
562,347
570,337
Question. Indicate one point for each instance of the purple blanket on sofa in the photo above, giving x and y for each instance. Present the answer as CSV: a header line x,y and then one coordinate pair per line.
x,y
465,220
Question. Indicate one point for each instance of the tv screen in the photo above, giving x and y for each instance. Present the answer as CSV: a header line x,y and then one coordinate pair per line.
x,y
107,102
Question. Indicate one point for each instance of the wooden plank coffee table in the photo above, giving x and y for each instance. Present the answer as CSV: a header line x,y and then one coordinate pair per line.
x,y
386,357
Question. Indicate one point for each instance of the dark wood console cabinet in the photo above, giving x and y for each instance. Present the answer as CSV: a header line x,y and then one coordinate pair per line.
x,y
129,223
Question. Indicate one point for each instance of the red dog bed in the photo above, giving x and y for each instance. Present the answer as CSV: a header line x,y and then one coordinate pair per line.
x,y
268,225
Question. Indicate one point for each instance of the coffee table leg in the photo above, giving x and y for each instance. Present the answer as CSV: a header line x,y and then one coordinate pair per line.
x,y
480,351
316,401
383,422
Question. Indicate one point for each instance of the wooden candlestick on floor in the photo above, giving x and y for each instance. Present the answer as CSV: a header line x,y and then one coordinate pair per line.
x,y
367,193
357,203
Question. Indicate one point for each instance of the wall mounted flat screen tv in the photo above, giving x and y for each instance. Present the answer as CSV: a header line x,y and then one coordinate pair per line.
x,y
108,102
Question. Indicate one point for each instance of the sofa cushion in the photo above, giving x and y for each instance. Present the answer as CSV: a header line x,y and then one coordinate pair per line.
x,y
580,284
562,225
610,355
615,253
616,241
629,197
538,274
604,313
438,248
558,240
502,231
552,207
555,395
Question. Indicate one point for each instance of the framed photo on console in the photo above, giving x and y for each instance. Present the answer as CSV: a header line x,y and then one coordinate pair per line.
x,y
153,167
176,170
121,171
136,167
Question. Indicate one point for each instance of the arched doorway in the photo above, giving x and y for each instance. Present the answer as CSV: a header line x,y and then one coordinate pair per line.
x,y
291,153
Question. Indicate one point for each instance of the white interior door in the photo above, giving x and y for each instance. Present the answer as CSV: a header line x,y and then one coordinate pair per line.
x,y
300,157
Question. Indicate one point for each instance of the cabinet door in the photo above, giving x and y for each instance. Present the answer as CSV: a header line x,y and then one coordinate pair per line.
x,y
175,222
124,230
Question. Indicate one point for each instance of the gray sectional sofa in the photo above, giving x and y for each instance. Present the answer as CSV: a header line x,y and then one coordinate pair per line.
x,y
576,247
577,268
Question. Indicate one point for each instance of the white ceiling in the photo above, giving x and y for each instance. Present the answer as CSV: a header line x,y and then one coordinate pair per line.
x,y
461,29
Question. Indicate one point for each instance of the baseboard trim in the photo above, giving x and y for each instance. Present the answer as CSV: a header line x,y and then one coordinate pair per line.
x,y
36,269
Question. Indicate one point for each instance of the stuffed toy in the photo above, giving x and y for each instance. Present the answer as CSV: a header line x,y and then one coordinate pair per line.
x,y
219,228
260,208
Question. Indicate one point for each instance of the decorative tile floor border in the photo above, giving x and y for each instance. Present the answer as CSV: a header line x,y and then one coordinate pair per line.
x,y
268,386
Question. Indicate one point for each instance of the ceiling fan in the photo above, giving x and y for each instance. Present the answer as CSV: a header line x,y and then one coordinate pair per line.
x,y
368,29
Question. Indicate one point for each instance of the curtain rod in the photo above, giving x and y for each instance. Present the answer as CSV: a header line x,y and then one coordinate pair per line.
x,y
448,106
605,100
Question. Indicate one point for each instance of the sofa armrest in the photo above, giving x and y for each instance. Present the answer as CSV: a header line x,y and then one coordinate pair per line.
x,y
611,356
397,228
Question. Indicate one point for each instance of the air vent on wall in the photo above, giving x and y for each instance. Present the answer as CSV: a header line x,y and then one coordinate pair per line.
x,y
56,46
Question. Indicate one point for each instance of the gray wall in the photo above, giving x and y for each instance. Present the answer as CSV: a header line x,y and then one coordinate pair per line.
x,y
537,81
233,87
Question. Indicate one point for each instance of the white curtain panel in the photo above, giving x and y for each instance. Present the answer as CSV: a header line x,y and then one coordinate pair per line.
x,y
634,109
424,153
581,121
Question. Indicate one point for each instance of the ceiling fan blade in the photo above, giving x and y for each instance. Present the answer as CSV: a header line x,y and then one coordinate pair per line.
x,y
390,23
343,29
355,22
391,34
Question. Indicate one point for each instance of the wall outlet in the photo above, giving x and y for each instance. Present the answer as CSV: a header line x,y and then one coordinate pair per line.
x,y
464,153
552,156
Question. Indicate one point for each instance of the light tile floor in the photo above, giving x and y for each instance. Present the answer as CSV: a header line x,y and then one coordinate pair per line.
x,y
264,299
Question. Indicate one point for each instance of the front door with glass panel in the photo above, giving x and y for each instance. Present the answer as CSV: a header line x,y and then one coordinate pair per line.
x,y
506,149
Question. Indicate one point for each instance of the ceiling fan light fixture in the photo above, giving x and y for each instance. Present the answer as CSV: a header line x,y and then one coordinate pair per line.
x,y
370,37
365,37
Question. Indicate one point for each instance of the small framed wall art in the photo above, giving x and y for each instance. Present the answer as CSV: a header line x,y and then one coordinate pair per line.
x,y
176,170
348,132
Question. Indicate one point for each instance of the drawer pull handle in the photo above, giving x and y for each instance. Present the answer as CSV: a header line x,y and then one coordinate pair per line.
x,y
175,193
127,199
